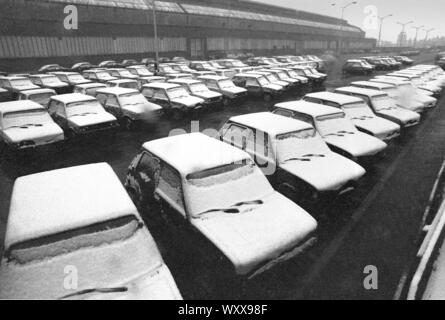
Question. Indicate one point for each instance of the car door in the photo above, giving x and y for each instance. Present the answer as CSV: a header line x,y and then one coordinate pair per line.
x,y
146,176
112,106
160,97
253,87
57,111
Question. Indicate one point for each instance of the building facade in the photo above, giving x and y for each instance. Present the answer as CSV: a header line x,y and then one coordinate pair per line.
x,y
34,30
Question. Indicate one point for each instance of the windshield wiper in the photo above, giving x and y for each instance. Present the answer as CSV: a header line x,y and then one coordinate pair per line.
x,y
314,156
233,209
96,290
345,132
297,159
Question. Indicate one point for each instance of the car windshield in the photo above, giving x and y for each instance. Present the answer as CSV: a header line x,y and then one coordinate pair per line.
x,y
83,108
50,80
25,118
224,188
383,102
41,98
226,84
198,88
131,99
92,90
334,124
298,145
263,81
177,93
129,85
357,110
101,234
21,83
167,69
103,75
76,77
143,71
125,73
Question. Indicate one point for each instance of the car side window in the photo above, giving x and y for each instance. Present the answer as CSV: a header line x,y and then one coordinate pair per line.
x,y
149,167
52,107
284,113
252,82
160,94
331,104
102,98
212,84
60,110
112,102
148,92
313,100
303,117
170,186
237,136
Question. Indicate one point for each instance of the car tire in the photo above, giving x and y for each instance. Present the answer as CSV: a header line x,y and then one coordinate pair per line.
x,y
226,102
267,97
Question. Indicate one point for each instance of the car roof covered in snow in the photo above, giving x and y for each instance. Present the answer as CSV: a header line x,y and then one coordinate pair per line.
x,y
217,78
341,99
91,85
195,152
378,85
72,97
270,123
161,85
309,108
17,106
186,81
362,91
117,91
38,91
52,202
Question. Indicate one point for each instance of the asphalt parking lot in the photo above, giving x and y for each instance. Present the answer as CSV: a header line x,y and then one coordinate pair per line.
x,y
375,225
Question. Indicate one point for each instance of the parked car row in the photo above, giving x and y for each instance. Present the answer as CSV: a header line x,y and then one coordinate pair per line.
x,y
367,65
234,202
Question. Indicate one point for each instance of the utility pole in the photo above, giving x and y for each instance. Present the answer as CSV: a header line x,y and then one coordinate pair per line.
x,y
417,33
427,34
152,3
342,18
403,30
381,26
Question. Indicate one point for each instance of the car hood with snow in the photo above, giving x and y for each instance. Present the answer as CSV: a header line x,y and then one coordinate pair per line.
x,y
403,116
128,269
142,110
378,127
357,144
189,102
40,134
273,87
327,172
259,234
89,119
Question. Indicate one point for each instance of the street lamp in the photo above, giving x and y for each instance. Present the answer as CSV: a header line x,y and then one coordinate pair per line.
x,y
381,25
403,29
417,32
427,34
343,8
152,3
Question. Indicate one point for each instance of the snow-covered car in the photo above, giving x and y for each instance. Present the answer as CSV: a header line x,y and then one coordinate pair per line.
x,y
50,81
231,63
196,74
258,86
75,234
202,66
303,71
407,95
121,73
228,73
335,127
205,188
129,106
26,125
163,70
89,88
283,76
98,75
71,78
231,93
140,71
417,80
198,89
294,75
359,113
181,68
273,79
383,105
40,96
173,98
292,154
147,80
16,84
124,83
80,115
357,67
173,76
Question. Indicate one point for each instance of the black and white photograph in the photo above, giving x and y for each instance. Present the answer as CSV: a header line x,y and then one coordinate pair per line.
x,y
222,155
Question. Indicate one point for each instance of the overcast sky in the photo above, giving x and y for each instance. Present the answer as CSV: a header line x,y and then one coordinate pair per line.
x,y
430,13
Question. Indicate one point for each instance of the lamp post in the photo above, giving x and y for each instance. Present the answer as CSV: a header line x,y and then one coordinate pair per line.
x,y
417,33
152,3
343,8
403,30
381,26
427,34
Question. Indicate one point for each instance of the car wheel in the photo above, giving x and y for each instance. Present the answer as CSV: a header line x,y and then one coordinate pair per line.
x,y
226,102
177,114
128,124
267,97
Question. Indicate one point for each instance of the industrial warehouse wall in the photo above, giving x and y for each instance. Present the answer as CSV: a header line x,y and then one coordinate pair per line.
x,y
32,34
